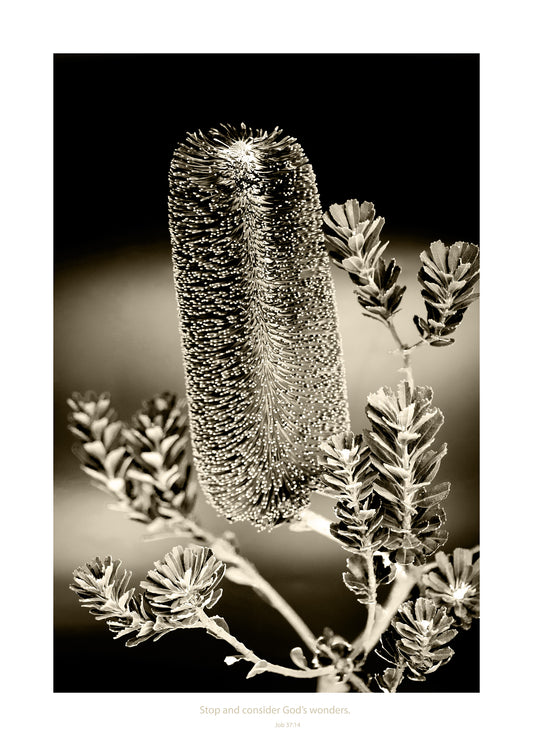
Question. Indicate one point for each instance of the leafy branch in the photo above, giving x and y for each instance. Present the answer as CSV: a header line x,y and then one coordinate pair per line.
x,y
386,490
448,277
353,242
176,593
148,469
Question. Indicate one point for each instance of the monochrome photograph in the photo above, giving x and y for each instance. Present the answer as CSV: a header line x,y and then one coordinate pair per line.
x,y
266,373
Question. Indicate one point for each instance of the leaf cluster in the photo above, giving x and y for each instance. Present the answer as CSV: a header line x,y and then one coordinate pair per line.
x,y
146,466
455,585
182,583
448,277
357,579
448,600
354,244
417,641
348,475
404,426
103,590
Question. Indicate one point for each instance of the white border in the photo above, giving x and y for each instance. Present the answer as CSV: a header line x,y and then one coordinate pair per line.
x,y
32,33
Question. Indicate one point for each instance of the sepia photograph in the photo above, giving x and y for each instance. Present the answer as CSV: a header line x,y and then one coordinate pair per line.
x,y
266,373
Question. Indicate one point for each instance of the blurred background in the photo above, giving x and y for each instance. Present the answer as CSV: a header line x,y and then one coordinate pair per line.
x,y
401,131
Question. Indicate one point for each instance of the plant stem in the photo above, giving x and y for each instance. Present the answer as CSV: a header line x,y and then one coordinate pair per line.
x,y
308,520
227,553
360,641
395,335
358,683
404,583
402,587
405,351
398,678
249,655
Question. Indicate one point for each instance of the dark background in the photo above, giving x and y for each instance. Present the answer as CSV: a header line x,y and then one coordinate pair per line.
x,y
399,130
403,128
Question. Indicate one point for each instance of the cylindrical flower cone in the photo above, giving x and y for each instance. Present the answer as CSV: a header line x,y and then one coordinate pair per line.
x,y
264,369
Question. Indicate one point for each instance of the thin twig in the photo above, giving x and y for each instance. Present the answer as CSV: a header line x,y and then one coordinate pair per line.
x,y
399,677
249,655
358,683
309,520
404,350
360,641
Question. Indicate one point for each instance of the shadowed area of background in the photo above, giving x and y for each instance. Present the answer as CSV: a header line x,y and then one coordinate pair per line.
x,y
401,131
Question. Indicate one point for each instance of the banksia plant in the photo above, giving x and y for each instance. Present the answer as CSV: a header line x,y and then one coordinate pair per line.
x,y
264,371
265,423
181,585
448,277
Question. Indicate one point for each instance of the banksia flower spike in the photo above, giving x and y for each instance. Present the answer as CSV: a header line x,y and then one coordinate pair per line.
x,y
264,371
448,277
404,426
355,246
